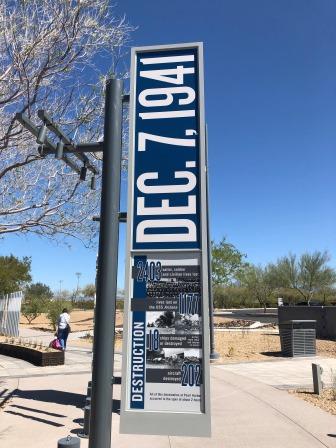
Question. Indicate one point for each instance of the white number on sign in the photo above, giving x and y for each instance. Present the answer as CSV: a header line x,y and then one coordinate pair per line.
x,y
167,74
143,136
167,93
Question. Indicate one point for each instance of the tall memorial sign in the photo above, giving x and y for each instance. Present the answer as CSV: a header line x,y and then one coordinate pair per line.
x,y
165,379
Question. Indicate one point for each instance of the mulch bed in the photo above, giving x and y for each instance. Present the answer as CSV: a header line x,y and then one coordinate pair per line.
x,y
326,400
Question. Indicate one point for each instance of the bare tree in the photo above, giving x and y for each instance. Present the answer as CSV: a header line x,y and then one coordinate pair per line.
x,y
89,290
54,55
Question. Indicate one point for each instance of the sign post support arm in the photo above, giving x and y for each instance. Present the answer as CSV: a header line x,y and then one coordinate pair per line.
x,y
103,353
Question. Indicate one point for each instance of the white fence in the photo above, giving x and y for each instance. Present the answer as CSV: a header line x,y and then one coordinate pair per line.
x,y
10,309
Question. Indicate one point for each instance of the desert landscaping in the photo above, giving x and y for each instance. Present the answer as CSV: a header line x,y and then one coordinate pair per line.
x,y
234,340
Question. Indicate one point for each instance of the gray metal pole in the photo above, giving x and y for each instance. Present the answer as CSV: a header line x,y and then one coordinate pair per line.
x,y
213,354
103,348
317,381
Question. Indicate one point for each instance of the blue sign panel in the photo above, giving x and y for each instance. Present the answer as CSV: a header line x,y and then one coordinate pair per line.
x,y
138,344
166,151
166,386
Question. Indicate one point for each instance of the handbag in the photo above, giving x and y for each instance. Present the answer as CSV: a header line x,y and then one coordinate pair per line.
x,y
55,344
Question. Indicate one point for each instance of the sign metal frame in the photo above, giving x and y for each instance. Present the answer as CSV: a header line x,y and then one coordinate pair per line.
x,y
148,421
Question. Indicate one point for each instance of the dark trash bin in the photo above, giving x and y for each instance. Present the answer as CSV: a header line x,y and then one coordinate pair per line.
x,y
298,337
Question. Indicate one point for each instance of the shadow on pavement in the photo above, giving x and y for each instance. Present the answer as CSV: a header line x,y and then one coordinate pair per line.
x,y
3,392
4,432
43,329
116,406
82,320
306,392
80,421
38,411
76,431
52,396
274,354
37,419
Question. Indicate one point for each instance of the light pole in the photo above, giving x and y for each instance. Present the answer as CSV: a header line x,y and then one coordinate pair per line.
x,y
103,343
213,354
104,331
78,274
60,290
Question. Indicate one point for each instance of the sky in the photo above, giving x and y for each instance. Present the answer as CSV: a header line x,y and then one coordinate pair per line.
x,y
270,90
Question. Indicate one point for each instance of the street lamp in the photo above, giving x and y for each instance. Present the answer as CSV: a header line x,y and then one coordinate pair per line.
x,y
74,155
78,274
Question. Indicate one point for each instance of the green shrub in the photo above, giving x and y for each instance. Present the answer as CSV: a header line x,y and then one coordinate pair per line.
x,y
288,295
32,307
232,297
84,305
55,308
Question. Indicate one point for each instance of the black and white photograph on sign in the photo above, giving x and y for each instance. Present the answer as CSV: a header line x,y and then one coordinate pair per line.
x,y
172,287
187,323
174,322
175,276
160,319
172,358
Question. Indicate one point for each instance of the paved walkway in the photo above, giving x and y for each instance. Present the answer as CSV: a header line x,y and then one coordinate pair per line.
x,y
47,336
247,410
285,373
76,361
12,370
245,414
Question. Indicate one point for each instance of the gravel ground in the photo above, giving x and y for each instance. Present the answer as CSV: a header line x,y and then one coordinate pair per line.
x,y
81,320
253,346
87,341
241,323
325,401
233,346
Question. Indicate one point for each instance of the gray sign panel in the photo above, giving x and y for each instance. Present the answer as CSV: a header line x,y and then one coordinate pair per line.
x,y
165,387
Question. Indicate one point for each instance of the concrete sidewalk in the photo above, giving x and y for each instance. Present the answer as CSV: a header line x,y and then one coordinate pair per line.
x,y
47,336
245,412
288,373
76,361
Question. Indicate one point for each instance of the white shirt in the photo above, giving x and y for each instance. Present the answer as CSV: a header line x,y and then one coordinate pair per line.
x,y
63,321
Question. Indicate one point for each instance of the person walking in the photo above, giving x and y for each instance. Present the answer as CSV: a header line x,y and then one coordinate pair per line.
x,y
63,327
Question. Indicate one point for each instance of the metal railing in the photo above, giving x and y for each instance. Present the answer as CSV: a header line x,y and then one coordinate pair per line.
x,y
10,309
